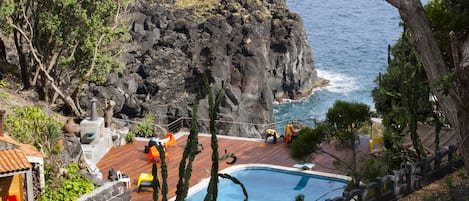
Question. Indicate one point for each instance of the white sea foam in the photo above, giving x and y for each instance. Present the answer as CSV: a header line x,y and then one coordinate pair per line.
x,y
339,83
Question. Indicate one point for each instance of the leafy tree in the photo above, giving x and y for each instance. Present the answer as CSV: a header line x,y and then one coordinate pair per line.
x,y
343,121
64,43
308,142
449,21
346,119
448,83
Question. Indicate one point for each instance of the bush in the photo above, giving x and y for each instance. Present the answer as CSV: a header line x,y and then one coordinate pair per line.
x,y
130,138
67,187
30,125
145,128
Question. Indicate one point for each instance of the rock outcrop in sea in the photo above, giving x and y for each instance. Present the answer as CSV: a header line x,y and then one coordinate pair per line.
x,y
258,49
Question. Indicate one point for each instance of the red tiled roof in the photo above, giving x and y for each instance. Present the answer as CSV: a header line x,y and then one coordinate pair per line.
x,y
12,160
13,156
27,149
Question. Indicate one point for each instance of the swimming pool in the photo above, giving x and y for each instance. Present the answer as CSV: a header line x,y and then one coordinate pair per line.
x,y
267,182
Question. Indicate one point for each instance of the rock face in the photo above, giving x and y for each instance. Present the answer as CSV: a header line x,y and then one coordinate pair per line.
x,y
258,49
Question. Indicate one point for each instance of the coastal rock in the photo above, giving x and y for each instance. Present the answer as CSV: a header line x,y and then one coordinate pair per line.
x,y
257,49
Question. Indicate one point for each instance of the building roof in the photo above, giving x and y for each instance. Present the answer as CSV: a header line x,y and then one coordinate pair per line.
x,y
12,160
27,149
13,155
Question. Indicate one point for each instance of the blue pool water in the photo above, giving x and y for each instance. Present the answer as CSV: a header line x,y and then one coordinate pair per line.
x,y
270,184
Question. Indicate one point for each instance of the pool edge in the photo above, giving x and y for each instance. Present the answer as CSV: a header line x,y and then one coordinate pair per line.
x,y
204,182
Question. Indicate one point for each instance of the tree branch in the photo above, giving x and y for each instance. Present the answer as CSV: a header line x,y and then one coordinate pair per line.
x,y
66,99
95,54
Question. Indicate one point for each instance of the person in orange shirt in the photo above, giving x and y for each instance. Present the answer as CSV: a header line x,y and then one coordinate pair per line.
x,y
294,131
288,133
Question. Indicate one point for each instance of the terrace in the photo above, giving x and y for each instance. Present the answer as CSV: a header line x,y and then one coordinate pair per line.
x,y
131,159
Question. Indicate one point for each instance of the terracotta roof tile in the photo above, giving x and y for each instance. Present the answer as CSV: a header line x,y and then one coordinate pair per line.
x,y
12,160
27,149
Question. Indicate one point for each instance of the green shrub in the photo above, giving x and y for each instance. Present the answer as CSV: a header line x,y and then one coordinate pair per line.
x,y
145,128
449,182
373,168
130,138
30,125
67,187
300,197
4,96
462,174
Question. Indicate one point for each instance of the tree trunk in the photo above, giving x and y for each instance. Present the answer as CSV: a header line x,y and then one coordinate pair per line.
x,y
25,77
3,52
453,104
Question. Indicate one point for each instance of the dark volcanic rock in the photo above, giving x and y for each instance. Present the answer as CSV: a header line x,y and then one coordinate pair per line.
x,y
258,49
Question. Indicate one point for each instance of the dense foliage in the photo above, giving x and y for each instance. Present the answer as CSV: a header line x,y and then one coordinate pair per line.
x,y
145,128
308,143
402,97
67,187
447,16
31,125
63,43
343,121
346,119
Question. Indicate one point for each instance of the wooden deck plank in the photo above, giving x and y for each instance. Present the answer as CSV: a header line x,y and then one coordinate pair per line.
x,y
131,159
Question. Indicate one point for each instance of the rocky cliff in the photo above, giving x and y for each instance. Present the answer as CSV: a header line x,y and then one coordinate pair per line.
x,y
257,48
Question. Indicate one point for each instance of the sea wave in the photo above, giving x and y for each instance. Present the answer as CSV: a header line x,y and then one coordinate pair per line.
x,y
339,83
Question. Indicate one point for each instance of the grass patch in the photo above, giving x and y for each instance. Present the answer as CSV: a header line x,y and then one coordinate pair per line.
x,y
196,3
4,95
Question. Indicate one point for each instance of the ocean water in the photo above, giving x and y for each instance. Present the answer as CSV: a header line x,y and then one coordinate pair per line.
x,y
349,39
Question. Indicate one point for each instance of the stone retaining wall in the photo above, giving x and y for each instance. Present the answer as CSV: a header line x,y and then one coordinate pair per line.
x,y
110,191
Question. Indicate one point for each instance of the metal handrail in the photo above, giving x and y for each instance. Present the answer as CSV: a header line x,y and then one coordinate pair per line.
x,y
185,122
179,123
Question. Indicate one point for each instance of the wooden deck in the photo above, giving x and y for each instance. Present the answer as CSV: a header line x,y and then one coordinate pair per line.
x,y
131,159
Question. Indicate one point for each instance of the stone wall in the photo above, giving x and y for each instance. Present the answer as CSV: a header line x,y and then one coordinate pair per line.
x,y
110,191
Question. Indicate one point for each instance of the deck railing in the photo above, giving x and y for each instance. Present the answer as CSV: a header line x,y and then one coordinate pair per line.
x,y
408,179
224,127
184,124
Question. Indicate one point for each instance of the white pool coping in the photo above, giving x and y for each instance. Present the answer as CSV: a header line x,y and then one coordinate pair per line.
x,y
204,182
